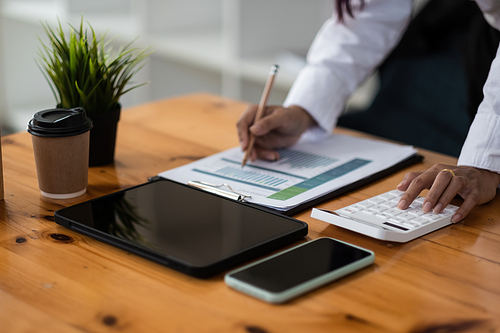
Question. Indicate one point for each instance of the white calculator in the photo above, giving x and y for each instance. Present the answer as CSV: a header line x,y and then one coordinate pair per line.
x,y
379,217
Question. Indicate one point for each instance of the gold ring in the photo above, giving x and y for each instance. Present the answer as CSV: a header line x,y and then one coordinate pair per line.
x,y
451,171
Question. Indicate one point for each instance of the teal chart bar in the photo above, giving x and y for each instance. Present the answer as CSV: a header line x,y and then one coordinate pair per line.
x,y
320,179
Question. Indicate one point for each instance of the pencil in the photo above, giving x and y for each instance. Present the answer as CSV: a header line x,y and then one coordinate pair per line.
x,y
260,110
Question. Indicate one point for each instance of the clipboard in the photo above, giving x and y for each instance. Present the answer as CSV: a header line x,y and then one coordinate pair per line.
x,y
225,190
218,189
194,231
307,173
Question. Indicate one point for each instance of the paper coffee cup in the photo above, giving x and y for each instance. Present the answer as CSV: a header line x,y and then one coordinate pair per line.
x,y
61,146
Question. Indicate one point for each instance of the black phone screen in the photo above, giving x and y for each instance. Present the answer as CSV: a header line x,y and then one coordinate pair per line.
x,y
300,265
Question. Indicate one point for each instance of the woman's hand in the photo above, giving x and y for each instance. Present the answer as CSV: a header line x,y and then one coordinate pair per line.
x,y
279,127
475,186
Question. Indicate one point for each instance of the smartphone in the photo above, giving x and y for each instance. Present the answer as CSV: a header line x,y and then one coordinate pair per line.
x,y
296,271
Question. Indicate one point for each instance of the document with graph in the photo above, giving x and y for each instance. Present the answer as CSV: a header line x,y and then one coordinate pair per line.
x,y
304,172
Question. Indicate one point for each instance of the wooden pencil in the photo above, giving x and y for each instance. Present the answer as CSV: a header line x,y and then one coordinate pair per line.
x,y
260,110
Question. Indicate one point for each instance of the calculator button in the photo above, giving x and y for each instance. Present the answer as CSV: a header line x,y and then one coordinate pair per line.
x,y
421,220
384,216
387,196
393,212
347,211
420,199
395,201
378,208
396,192
376,200
432,216
415,205
445,213
406,216
450,209
396,220
368,218
388,204
416,212
411,224
365,204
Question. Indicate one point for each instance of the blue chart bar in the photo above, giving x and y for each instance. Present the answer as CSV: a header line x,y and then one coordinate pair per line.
x,y
318,180
298,159
253,166
253,177
246,177
333,173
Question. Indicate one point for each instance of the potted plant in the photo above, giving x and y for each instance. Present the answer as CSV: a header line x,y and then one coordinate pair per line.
x,y
82,71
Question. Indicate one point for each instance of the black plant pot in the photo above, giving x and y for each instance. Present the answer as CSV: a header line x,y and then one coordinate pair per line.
x,y
103,137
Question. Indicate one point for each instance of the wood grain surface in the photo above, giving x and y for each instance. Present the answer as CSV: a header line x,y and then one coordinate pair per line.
x,y
55,280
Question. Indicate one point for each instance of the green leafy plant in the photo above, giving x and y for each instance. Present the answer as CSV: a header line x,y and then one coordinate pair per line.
x,y
82,70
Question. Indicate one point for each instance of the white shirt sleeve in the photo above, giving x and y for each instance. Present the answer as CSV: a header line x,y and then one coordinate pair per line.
x,y
343,55
482,146
491,11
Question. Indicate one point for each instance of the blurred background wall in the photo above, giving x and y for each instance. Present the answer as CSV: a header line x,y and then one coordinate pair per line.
x,y
224,47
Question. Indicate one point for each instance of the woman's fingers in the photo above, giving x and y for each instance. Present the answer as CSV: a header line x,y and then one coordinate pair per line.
x,y
445,182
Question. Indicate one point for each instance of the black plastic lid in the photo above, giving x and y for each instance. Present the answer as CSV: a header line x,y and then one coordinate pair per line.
x,y
60,122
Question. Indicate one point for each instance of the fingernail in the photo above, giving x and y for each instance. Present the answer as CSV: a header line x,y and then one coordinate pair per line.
x,y
401,184
427,207
456,218
438,208
402,204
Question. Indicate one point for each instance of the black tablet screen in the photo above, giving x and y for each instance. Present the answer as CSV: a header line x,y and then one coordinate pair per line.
x,y
181,222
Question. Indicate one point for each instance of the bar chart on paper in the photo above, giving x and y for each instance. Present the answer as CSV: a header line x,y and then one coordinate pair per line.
x,y
305,171
295,172
262,178
302,160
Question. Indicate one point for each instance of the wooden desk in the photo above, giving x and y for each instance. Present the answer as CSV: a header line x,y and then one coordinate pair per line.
x,y
56,280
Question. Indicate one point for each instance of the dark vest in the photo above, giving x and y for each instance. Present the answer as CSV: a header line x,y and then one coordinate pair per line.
x,y
441,20
431,84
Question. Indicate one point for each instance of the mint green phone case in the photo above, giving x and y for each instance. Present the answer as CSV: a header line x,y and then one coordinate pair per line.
x,y
302,288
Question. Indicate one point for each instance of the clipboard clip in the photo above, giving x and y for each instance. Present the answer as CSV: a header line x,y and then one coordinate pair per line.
x,y
216,189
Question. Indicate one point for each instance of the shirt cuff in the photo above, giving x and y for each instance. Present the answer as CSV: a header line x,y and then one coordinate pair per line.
x,y
319,92
482,146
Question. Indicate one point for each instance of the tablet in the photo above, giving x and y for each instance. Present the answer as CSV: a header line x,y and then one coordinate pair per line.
x,y
182,227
